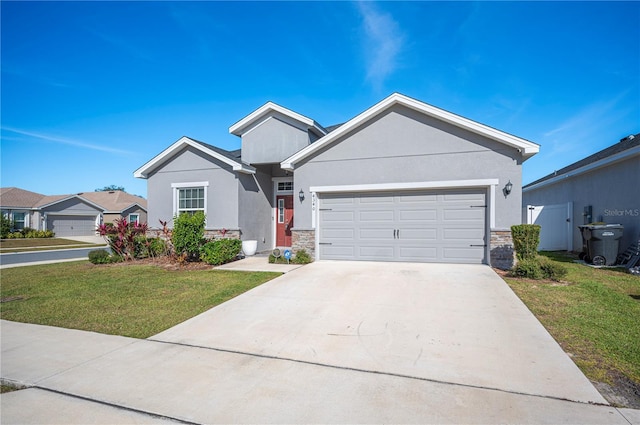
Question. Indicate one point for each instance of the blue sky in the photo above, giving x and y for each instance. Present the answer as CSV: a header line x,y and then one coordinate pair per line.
x,y
93,90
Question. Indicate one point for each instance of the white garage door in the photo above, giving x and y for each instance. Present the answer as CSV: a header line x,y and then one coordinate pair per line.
x,y
429,226
72,225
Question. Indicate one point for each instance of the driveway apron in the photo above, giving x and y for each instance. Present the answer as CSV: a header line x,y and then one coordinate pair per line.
x,y
455,324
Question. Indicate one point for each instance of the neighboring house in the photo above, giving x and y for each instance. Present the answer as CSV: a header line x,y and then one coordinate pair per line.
x,y
603,187
69,215
402,181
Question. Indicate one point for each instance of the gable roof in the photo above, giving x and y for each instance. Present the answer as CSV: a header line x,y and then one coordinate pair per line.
x,y
625,148
114,201
269,108
526,147
231,158
47,201
19,198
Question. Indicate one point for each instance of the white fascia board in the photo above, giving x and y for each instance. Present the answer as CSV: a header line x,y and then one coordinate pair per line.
x,y
239,127
527,148
185,141
589,167
381,187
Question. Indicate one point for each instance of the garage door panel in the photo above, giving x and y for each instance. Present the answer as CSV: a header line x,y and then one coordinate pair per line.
x,y
335,252
428,226
344,216
376,233
460,196
418,234
418,215
463,214
381,216
469,234
418,253
379,252
346,233
417,199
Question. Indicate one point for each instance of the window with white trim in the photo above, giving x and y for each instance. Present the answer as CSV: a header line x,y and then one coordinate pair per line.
x,y
18,220
190,200
285,186
134,218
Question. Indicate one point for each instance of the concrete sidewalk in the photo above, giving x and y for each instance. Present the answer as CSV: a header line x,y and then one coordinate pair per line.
x,y
82,377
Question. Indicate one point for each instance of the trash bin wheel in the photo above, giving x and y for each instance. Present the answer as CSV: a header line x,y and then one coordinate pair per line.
x,y
582,255
599,260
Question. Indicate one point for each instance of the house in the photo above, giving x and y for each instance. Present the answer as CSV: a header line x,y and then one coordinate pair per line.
x,y
603,187
70,215
402,181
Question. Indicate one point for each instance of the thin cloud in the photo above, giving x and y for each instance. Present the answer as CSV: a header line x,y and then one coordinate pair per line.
x,y
65,141
383,43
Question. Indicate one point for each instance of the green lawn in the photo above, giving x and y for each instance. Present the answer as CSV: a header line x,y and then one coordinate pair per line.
x,y
40,244
130,300
594,314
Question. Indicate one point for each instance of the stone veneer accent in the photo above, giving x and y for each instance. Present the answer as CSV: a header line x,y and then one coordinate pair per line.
x,y
217,234
304,239
503,254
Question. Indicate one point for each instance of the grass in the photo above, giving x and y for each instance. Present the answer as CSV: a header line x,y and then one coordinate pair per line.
x,y
594,314
134,300
40,244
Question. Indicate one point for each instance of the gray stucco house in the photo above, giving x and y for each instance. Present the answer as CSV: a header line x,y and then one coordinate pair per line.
x,y
70,215
603,187
402,181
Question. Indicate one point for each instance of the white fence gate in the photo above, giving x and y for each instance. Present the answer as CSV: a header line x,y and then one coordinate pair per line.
x,y
555,225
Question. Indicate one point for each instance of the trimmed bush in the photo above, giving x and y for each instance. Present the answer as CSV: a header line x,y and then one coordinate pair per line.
x,y
528,268
539,268
100,256
552,270
188,234
526,238
302,257
220,251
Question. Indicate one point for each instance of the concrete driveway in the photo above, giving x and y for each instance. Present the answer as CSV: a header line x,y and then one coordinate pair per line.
x,y
456,324
331,342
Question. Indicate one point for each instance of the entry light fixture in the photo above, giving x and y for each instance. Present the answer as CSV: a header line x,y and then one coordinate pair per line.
x,y
301,195
508,187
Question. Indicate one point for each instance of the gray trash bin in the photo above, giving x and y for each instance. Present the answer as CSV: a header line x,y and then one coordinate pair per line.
x,y
602,242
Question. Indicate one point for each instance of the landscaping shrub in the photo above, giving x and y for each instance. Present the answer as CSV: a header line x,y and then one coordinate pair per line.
x,y
122,237
539,267
220,251
552,270
528,268
302,257
100,256
526,238
5,226
188,234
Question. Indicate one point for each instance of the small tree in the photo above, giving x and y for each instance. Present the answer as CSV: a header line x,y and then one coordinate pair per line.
x,y
526,238
110,188
188,234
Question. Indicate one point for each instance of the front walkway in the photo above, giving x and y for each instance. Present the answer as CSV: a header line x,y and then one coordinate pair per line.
x,y
258,263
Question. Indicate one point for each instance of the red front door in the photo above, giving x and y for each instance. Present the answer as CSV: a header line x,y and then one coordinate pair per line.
x,y
284,219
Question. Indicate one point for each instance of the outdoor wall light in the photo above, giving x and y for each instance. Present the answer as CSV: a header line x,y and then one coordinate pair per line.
x,y
508,187
301,195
